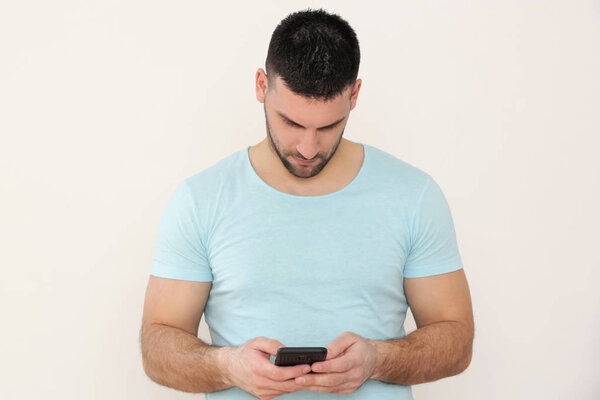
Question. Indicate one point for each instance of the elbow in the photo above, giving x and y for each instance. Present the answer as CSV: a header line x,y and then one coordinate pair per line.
x,y
466,362
147,363
466,359
466,355
147,367
467,349
152,373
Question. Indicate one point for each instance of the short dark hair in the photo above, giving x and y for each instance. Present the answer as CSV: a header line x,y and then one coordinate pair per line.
x,y
315,53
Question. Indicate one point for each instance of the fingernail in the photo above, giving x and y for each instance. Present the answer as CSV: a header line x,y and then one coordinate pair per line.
x,y
317,367
301,380
306,370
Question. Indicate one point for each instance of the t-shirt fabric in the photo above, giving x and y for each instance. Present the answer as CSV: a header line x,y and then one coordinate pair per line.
x,y
304,269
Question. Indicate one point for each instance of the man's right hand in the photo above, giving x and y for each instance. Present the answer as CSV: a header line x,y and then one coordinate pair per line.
x,y
251,369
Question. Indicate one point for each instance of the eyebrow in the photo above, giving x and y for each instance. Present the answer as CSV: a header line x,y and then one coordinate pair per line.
x,y
295,123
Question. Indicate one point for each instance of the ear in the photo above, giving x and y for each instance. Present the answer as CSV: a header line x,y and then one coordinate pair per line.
x,y
262,83
354,94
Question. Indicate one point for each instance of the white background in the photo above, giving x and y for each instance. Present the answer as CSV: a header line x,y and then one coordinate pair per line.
x,y
105,106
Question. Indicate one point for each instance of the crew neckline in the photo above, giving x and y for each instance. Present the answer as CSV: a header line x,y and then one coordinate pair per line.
x,y
293,196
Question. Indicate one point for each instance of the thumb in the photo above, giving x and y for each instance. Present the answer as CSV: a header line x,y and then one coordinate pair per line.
x,y
267,345
340,345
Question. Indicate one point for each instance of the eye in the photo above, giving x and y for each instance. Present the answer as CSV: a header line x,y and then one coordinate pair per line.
x,y
292,124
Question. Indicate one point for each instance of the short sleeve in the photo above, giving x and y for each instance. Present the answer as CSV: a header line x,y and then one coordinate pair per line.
x,y
179,252
433,249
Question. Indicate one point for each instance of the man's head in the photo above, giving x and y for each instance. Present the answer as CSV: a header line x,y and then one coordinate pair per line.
x,y
309,88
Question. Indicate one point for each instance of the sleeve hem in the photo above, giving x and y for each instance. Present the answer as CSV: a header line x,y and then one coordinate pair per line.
x,y
420,272
162,271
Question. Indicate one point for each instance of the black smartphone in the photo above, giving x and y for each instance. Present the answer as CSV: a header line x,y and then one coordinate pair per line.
x,y
287,356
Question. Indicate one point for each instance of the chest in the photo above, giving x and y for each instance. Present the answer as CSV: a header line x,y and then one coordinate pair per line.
x,y
282,247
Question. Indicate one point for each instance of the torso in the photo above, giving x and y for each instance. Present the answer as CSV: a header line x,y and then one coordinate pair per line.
x,y
349,161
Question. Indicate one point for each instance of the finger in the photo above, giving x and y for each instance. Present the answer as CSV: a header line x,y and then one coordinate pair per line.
x,y
340,344
267,345
322,380
287,386
342,389
345,388
281,374
341,364
330,389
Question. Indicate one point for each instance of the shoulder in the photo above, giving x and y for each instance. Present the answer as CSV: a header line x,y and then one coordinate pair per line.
x,y
391,170
212,178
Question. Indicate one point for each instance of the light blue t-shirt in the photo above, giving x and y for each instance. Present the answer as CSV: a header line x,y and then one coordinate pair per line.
x,y
304,269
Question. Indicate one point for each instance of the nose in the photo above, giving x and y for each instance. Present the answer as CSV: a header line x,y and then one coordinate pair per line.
x,y
308,145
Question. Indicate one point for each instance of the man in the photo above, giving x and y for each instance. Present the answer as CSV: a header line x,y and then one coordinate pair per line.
x,y
307,239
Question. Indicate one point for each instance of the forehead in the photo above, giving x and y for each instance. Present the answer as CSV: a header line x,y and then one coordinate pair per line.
x,y
299,107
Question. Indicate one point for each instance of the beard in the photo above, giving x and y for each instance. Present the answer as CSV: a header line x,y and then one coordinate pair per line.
x,y
300,171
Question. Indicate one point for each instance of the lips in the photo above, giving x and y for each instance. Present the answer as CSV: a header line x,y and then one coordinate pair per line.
x,y
304,162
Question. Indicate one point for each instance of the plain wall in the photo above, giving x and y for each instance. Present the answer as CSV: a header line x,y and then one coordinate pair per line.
x,y
106,106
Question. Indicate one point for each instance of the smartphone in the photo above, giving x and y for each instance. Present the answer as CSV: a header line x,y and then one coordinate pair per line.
x,y
287,356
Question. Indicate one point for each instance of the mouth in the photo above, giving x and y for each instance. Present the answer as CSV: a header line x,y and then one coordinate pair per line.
x,y
305,162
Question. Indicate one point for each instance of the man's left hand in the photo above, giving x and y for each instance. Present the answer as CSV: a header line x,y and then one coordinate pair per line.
x,y
346,373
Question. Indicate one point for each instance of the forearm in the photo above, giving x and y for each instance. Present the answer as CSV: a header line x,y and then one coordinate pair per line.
x,y
177,359
430,353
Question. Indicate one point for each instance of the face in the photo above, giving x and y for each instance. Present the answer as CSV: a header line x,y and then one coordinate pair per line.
x,y
300,129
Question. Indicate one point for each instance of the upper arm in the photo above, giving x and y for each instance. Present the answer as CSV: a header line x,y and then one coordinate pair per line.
x,y
443,297
176,303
